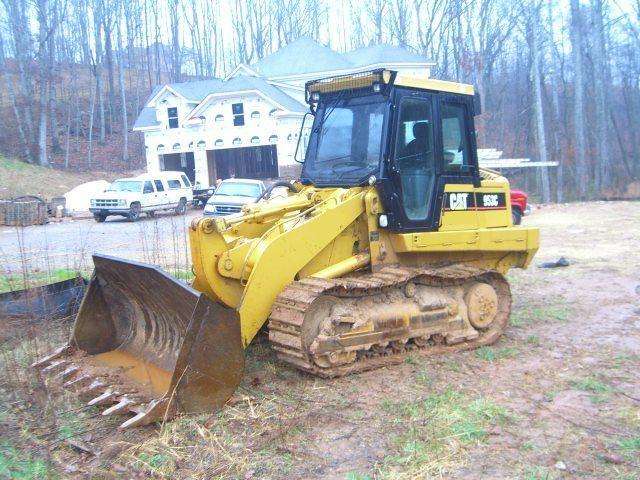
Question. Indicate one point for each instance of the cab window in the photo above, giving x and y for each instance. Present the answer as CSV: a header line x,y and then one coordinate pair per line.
x,y
159,186
414,156
186,181
173,184
148,187
455,144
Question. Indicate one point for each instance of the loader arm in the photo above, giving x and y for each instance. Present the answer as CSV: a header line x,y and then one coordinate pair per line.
x,y
271,261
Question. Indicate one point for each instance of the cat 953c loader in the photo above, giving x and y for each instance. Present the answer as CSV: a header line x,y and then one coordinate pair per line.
x,y
392,240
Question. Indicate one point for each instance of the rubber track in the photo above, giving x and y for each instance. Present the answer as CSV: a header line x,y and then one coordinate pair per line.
x,y
291,305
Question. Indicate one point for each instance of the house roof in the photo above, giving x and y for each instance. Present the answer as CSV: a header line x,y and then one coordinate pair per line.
x,y
196,90
301,56
243,83
147,118
382,53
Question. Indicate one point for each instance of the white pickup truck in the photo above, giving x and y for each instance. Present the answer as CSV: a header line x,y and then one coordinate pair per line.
x,y
146,193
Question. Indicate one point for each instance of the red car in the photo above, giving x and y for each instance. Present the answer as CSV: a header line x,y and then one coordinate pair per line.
x,y
518,205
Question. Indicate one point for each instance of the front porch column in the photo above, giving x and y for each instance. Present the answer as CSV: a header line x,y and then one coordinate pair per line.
x,y
152,157
201,167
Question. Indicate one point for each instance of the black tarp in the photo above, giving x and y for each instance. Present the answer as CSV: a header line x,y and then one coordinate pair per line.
x,y
55,300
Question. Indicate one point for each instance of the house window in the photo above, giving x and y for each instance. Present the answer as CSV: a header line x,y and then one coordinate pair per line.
x,y
172,114
219,118
273,112
290,138
238,114
273,139
255,140
201,144
160,148
219,142
237,141
255,114
176,147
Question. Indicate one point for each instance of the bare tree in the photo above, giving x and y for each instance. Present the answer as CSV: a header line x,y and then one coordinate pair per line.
x,y
578,108
533,26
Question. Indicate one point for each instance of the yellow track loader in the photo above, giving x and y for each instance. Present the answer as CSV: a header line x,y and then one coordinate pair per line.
x,y
392,240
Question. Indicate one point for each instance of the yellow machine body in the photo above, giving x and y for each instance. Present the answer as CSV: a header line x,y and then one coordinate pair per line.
x,y
246,261
146,344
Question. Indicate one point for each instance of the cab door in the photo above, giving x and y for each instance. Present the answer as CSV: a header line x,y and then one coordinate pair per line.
x,y
161,194
149,195
431,165
410,184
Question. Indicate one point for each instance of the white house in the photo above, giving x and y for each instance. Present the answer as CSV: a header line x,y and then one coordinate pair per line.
x,y
247,124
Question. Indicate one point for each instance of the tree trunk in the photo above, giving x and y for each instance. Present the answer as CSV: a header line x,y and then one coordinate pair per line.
x,y
97,22
555,102
92,108
108,56
601,84
12,96
534,25
123,97
582,168
176,67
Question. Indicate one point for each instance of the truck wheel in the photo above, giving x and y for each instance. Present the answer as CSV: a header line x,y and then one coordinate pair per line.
x,y
134,212
98,217
181,209
516,216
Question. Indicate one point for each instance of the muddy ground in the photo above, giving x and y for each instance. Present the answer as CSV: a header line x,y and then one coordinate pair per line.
x,y
557,397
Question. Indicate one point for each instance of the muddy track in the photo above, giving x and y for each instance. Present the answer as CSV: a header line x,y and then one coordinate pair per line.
x,y
293,306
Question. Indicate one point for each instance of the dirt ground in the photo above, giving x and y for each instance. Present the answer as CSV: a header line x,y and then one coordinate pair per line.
x,y
557,397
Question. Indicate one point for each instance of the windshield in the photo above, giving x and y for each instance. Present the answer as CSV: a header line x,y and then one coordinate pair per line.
x,y
239,189
346,140
125,186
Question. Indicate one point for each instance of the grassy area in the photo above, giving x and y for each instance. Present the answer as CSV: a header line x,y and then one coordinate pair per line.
x,y
13,282
20,178
437,429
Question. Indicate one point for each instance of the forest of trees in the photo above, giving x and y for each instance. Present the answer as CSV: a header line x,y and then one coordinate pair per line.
x,y
559,79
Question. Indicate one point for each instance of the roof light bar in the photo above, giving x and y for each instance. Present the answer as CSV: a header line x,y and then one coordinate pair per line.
x,y
377,80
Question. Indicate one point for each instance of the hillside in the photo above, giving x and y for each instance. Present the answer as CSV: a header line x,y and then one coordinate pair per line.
x,y
19,178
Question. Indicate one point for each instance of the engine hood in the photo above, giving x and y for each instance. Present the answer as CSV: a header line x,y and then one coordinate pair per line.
x,y
230,200
115,195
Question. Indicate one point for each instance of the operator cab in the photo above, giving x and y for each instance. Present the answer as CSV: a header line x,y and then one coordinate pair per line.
x,y
407,135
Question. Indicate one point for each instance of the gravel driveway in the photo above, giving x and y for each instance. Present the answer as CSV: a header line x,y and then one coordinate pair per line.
x,y
69,244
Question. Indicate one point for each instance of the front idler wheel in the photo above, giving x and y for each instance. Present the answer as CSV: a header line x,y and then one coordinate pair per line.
x,y
482,305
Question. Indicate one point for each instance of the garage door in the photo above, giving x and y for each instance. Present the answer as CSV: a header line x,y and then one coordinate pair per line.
x,y
248,162
179,162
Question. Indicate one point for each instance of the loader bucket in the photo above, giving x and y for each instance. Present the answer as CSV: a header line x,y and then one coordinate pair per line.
x,y
147,344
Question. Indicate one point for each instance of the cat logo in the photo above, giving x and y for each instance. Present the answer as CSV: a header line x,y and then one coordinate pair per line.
x,y
458,201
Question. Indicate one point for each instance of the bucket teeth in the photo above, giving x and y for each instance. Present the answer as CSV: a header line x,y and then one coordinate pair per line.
x,y
57,353
54,366
80,381
93,388
123,406
149,413
106,397
69,372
